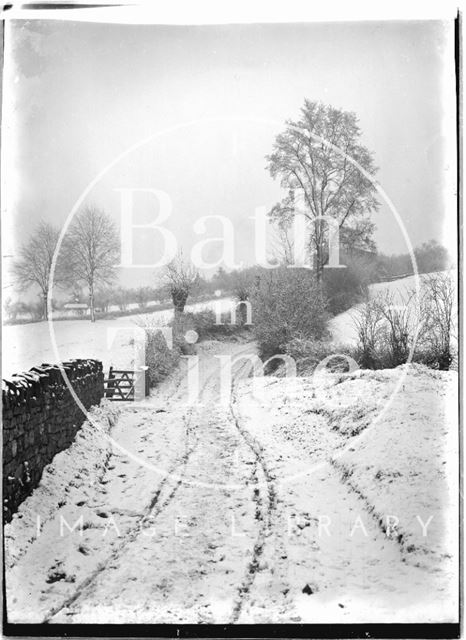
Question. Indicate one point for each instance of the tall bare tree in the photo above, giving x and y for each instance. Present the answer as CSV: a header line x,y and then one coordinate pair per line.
x,y
33,268
330,184
92,250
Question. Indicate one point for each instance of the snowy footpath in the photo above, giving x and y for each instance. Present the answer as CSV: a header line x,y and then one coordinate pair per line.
x,y
325,499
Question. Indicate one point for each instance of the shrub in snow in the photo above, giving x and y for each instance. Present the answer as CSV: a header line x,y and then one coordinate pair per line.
x,y
389,330
438,340
309,353
287,303
204,322
160,359
367,321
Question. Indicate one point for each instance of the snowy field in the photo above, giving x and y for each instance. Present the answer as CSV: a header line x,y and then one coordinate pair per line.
x,y
342,327
29,345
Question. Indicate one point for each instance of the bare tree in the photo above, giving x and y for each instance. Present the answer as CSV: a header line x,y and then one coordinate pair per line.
x,y
282,243
438,334
12,309
331,185
400,324
92,249
387,329
181,278
367,320
121,297
358,237
33,268
143,296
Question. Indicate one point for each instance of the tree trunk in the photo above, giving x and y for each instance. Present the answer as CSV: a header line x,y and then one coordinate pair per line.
x,y
179,301
319,250
179,298
243,310
45,312
91,302
319,264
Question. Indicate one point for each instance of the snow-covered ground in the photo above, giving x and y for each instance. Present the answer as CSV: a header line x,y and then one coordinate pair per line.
x,y
275,505
109,340
351,452
342,327
326,499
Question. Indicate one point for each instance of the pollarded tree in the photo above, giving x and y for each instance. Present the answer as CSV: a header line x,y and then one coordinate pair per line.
x,y
181,278
92,250
305,161
33,268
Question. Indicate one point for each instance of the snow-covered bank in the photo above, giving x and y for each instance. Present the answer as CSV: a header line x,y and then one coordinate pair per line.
x,y
342,327
408,464
92,501
349,454
84,460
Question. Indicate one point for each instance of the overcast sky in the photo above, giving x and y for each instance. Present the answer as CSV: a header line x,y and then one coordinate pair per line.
x,y
80,94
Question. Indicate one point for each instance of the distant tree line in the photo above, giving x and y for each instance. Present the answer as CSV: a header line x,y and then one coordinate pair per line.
x,y
89,265
87,258
85,273
430,257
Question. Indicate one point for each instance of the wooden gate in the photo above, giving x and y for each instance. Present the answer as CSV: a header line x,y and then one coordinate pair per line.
x,y
121,383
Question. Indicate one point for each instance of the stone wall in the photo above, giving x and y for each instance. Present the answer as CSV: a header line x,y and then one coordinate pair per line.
x,y
40,419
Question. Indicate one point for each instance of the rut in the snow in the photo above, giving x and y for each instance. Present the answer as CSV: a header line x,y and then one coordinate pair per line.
x,y
152,510
378,518
265,504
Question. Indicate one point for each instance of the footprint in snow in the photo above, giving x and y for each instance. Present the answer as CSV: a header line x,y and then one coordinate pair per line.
x,y
55,576
83,549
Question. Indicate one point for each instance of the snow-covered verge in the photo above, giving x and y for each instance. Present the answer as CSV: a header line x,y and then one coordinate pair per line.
x,y
95,501
361,452
84,460
407,464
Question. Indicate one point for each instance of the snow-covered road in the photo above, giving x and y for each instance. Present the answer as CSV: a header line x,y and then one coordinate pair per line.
x,y
253,510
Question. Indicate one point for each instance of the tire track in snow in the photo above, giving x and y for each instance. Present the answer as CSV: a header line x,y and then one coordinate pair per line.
x,y
265,505
398,536
153,509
